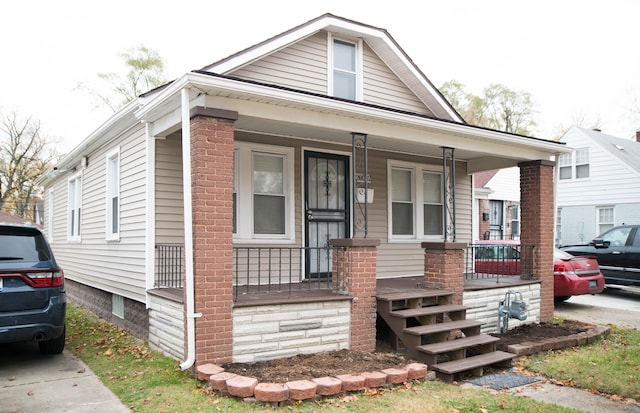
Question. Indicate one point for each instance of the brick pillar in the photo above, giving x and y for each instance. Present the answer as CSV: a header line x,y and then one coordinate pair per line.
x,y
537,224
212,134
354,266
444,267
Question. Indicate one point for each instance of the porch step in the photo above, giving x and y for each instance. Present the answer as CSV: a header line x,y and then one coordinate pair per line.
x,y
457,344
431,310
448,369
442,327
413,294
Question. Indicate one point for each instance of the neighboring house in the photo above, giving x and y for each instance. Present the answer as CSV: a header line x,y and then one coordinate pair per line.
x,y
254,208
598,185
497,204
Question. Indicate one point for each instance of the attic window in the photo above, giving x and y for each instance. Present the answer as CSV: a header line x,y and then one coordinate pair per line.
x,y
344,69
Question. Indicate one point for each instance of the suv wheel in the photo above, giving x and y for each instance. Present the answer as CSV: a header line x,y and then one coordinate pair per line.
x,y
54,346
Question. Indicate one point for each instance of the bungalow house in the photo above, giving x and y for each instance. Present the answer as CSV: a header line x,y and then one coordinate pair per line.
x,y
270,203
598,185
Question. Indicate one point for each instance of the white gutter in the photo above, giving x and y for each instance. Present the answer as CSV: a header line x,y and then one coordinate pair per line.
x,y
188,232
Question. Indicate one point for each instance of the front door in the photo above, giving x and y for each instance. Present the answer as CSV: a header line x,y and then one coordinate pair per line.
x,y
496,220
326,207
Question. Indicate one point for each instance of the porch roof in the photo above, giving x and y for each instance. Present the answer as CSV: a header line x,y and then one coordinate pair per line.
x,y
275,110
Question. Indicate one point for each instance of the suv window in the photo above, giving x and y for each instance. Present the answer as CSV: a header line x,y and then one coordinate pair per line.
x,y
617,236
22,244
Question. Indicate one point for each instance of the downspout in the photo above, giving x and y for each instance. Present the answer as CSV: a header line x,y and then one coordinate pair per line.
x,y
188,232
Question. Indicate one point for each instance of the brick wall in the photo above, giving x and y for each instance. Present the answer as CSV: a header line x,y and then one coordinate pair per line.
x,y
355,263
136,317
537,221
444,267
279,331
212,135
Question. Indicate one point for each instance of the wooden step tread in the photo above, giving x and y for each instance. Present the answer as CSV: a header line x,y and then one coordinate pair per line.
x,y
469,363
411,294
458,344
442,327
431,310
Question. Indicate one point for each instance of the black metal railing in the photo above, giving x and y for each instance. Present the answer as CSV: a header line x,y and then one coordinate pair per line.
x,y
260,270
496,260
169,266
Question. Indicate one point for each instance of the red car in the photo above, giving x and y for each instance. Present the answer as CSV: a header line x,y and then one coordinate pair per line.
x,y
573,275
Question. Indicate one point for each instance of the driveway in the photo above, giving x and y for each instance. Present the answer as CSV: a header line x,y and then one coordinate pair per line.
x,y
618,306
30,382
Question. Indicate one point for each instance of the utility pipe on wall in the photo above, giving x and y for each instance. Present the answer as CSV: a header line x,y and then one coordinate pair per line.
x,y
188,232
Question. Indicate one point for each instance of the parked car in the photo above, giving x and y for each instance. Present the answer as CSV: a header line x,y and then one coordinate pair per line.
x,y
618,253
572,275
32,294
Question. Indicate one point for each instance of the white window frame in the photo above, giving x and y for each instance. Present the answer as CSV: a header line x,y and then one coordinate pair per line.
x,y
587,163
51,203
565,161
418,201
358,72
244,197
610,224
74,207
112,191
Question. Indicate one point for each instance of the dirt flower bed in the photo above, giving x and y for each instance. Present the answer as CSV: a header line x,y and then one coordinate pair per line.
x,y
306,367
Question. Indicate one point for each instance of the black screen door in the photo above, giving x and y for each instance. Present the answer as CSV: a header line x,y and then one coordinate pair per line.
x,y
326,205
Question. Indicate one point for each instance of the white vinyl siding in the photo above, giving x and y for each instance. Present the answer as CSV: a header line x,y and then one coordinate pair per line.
x,y
112,228
118,268
304,65
169,191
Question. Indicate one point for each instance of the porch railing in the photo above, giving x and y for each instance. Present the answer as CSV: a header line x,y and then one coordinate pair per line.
x,y
169,266
260,270
496,260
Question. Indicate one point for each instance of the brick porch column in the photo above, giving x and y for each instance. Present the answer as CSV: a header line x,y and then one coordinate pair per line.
x,y
212,134
354,266
444,267
537,224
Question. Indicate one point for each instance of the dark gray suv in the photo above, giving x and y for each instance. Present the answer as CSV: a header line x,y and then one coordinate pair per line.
x,y
33,302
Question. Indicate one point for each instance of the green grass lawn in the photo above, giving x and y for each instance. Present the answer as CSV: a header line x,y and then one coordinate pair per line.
x,y
147,381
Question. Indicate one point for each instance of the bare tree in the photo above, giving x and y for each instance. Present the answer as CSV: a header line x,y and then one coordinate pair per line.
x,y
144,71
24,156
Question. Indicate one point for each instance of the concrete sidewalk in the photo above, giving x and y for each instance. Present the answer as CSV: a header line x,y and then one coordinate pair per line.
x,y
32,383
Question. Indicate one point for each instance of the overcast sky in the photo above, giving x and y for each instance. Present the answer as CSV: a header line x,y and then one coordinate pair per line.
x,y
577,58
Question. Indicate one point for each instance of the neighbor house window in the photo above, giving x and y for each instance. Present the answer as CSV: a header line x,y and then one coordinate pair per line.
x,y
559,227
605,218
416,202
263,192
565,166
50,203
113,195
515,221
582,163
74,211
344,69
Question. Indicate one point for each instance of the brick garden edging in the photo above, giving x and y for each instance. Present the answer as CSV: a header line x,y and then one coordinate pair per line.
x,y
249,389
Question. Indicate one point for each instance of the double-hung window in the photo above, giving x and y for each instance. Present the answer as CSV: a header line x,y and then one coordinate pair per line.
x,y
605,218
345,69
263,201
113,195
582,163
74,209
416,202
565,166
